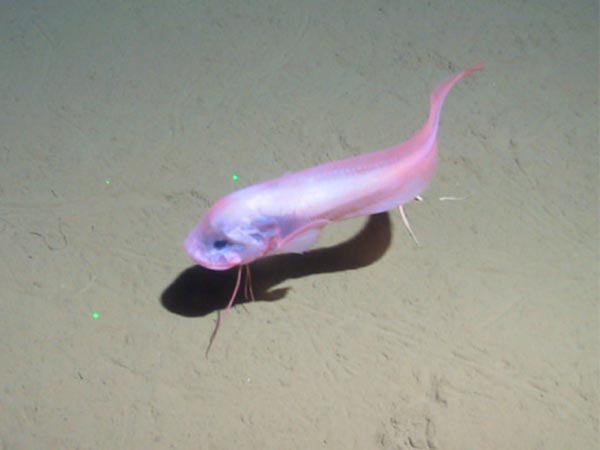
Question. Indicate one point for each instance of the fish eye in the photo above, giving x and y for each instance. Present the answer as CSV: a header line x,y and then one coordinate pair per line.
x,y
220,243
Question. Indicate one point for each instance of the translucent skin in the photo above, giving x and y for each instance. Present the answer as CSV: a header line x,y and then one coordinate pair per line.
x,y
286,214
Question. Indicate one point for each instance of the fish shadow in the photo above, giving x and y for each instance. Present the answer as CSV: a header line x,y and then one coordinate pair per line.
x,y
198,291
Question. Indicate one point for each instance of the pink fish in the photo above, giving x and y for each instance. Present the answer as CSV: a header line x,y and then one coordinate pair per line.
x,y
288,213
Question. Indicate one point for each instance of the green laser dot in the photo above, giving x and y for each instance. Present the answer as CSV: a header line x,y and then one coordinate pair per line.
x,y
95,316
234,177
107,181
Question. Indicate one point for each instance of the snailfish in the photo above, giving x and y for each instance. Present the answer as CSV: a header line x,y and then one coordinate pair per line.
x,y
287,214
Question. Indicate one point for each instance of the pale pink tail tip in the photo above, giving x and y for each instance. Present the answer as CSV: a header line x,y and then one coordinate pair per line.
x,y
475,68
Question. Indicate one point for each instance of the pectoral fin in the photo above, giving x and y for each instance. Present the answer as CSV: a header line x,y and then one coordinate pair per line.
x,y
303,238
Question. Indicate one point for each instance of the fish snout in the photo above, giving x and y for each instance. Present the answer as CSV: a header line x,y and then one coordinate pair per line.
x,y
210,255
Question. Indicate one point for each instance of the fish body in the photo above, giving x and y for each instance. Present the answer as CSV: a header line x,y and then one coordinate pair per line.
x,y
286,214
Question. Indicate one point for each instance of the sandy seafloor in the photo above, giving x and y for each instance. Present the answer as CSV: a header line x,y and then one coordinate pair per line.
x,y
122,121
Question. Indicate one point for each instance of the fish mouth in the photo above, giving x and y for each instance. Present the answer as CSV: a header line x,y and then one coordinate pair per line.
x,y
215,265
210,263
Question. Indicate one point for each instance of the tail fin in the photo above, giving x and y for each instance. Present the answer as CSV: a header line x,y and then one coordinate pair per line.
x,y
437,101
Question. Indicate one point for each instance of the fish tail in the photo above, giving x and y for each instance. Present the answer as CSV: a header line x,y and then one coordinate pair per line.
x,y
437,101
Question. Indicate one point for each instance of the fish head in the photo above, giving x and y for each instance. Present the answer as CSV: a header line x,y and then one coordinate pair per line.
x,y
232,233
